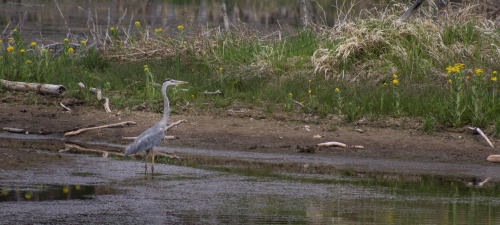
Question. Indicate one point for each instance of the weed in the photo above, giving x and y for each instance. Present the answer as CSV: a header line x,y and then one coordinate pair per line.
x,y
429,124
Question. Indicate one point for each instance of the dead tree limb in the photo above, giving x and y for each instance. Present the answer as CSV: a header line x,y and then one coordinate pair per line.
x,y
13,130
71,133
52,89
302,105
411,10
332,143
65,107
78,148
174,124
98,92
480,132
224,14
304,13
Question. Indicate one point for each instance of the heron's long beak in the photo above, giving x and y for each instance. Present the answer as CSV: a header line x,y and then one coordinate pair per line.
x,y
180,82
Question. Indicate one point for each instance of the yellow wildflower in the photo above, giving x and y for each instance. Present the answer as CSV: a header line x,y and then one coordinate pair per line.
x,y
309,91
1,41
395,82
137,23
192,96
180,27
494,78
290,94
33,43
220,68
84,42
478,71
71,50
494,72
158,30
146,68
22,50
337,89
27,195
9,49
77,187
15,30
395,76
66,40
28,61
112,29
385,83
467,77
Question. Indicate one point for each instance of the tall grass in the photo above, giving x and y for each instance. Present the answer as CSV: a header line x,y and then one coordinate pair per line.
x,y
349,69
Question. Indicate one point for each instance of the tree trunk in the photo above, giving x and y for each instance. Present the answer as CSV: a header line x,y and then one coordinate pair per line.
x,y
39,88
224,14
304,13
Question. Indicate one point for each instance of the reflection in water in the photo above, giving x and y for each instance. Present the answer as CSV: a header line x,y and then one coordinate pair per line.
x,y
44,19
48,192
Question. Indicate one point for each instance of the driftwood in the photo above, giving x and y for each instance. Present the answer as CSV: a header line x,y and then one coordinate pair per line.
x,y
78,148
98,92
332,143
218,92
175,124
14,130
166,137
65,107
493,158
71,133
480,132
302,105
52,89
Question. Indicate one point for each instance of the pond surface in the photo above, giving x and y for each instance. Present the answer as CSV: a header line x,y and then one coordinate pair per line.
x,y
48,20
82,189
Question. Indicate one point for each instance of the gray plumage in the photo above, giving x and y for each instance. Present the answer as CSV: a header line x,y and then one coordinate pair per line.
x,y
153,136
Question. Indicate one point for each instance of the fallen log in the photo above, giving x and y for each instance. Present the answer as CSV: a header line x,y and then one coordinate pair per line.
x,y
71,133
52,89
77,148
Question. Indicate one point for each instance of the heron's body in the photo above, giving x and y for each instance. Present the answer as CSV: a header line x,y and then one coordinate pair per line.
x,y
153,136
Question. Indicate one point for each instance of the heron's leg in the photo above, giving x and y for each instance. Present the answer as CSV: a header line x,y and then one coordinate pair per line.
x,y
146,166
152,161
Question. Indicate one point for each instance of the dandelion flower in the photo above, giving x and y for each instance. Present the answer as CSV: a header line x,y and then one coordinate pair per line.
x,y
494,79
9,49
112,29
33,44
395,76
192,96
449,80
77,187
28,61
22,50
137,23
220,68
1,41
84,42
15,30
395,81
494,72
71,50
467,77
385,83
337,89
478,71
66,40
290,94
180,27
309,91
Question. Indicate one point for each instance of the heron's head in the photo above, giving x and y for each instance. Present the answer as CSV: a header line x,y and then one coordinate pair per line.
x,y
170,82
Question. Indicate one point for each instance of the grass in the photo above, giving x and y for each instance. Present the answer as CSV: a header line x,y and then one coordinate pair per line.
x,y
371,66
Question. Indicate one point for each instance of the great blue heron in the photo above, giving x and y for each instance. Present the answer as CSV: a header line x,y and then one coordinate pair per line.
x,y
153,136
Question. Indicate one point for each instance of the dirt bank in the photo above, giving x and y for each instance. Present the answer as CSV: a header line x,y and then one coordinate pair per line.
x,y
250,130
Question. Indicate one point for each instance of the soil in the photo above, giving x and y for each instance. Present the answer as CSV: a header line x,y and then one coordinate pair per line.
x,y
244,130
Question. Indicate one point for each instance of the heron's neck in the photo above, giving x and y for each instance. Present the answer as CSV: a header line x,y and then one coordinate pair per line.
x,y
166,106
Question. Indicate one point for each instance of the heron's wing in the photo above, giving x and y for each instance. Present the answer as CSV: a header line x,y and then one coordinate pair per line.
x,y
147,140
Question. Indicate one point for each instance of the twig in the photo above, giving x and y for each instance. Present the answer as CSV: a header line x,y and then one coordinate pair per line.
x,y
480,132
70,147
302,105
65,107
175,124
99,96
166,137
212,92
71,133
13,130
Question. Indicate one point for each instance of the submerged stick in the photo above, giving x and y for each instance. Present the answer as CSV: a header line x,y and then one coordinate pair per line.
x,y
71,133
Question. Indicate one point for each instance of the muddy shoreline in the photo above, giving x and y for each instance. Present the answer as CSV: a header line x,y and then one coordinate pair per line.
x,y
253,131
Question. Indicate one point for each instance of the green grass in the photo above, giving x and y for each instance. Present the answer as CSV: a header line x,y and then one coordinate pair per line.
x,y
359,57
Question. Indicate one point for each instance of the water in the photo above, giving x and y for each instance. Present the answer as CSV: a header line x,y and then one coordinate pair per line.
x,y
42,21
117,191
